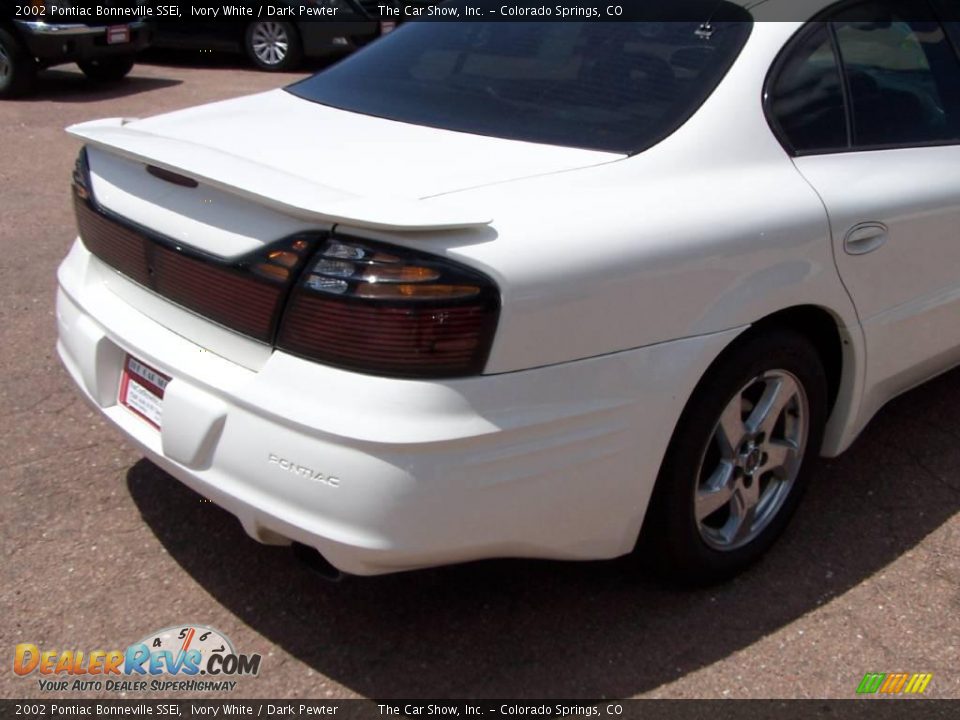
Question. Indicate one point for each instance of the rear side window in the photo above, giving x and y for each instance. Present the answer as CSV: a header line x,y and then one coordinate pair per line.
x,y
899,85
953,30
903,77
806,98
949,12
617,87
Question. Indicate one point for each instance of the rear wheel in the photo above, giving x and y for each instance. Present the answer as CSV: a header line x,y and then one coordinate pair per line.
x,y
18,70
739,459
107,69
273,45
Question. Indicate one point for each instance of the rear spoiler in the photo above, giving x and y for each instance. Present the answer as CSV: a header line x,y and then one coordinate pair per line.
x,y
271,186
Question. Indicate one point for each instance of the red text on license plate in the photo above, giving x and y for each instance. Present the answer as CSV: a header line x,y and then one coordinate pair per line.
x,y
142,389
117,34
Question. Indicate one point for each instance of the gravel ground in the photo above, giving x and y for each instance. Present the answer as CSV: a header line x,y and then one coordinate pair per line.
x,y
100,547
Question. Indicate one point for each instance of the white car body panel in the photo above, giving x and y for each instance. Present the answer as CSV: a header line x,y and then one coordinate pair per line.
x,y
909,316
426,472
622,279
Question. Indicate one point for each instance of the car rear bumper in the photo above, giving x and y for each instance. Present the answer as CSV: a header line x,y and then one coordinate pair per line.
x,y
382,475
55,43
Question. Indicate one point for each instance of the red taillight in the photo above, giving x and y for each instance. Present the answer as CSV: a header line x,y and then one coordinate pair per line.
x,y
358,305
391,312
112,243
245,294
226,295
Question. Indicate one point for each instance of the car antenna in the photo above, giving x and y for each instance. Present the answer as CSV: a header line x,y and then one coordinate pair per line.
x,y
706,29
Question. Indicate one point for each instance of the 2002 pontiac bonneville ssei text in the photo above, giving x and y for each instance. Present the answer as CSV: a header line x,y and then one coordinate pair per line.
x,y
551,290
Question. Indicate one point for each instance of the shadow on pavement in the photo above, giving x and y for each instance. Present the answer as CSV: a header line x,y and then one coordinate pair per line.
x,y
194,58
529,629
219,59
71,85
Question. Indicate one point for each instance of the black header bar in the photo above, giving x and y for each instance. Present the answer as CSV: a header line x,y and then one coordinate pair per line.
x,y
891,709
108,12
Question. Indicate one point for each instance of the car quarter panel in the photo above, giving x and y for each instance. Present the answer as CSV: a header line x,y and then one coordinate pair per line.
x,y
712,229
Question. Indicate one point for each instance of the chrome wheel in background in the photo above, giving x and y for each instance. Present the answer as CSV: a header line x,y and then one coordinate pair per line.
x,y
18,69
270,42
6,67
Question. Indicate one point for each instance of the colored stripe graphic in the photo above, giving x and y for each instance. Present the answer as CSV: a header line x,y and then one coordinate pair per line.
x,y
894,683
871,683
918,683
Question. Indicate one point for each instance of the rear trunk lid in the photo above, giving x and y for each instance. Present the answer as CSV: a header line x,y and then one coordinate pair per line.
x,y
229,178
294,162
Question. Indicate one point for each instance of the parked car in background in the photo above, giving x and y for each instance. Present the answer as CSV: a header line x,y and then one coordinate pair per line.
x,y
277,44
33,38
531,289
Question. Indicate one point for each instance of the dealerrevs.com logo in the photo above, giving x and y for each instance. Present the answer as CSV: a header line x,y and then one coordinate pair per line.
x,y
187,658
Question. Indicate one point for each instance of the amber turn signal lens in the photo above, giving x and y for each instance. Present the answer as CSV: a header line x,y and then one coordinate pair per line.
x,y
413,292
397,274
281,264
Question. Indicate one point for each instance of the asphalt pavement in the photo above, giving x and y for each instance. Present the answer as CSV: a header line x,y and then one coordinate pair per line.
x,y
100,547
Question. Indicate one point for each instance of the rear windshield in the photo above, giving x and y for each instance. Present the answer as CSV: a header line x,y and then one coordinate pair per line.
x,y
617,87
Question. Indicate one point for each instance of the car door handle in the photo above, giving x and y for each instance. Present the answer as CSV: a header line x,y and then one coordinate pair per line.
x,y
865,237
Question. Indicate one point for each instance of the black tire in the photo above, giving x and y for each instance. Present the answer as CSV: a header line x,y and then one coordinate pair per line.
x,y
273,46
673,542
18,70
107,69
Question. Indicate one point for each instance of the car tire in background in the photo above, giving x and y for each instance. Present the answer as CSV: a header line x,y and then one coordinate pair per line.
x,y
18,70
734,475
273,45
107,69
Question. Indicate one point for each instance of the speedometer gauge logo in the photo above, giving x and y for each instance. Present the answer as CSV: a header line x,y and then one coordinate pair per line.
x,y
189,650
183,638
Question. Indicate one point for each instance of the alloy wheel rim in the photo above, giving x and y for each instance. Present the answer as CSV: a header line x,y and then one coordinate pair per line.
x,y
752,460
5,68
270,43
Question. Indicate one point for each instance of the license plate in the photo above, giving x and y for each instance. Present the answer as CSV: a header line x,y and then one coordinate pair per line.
x,y
141,390
117,34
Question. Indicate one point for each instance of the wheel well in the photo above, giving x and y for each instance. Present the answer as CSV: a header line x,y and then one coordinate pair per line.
x,y
820,327
243,32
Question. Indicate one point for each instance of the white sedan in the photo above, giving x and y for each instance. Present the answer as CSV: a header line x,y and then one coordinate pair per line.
x,y
554,290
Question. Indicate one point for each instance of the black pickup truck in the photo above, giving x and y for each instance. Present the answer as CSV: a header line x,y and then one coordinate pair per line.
x,y
35,34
